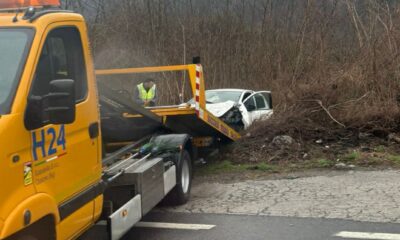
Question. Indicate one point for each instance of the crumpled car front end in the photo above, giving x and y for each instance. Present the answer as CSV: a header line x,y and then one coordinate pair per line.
x,y
229,112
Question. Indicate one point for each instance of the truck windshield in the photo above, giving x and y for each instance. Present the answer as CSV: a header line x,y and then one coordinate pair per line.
x,y
14,47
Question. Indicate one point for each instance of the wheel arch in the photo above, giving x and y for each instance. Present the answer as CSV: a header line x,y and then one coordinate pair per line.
x,y
176,141
188,146
32,210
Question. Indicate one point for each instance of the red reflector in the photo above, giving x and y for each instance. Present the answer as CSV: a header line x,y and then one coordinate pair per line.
x,y
27,3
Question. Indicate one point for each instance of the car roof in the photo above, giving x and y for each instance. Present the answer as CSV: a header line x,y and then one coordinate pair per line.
x,y
234,90
230,90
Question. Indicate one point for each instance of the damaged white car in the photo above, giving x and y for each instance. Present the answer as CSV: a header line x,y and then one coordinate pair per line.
x,y
239,108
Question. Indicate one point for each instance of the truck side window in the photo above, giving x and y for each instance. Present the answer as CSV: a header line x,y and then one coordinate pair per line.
x,y
61,58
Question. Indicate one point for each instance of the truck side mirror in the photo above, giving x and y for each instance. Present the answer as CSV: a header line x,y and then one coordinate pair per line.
x,y
34,117
57,107
61,102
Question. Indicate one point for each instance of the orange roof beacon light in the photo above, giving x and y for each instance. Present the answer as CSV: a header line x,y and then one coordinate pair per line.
x,y
5,4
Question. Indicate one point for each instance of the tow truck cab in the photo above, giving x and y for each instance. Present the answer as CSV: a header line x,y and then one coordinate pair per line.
x,y
50,144
55,183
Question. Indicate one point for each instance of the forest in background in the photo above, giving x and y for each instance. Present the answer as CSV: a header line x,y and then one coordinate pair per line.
x,y
331,64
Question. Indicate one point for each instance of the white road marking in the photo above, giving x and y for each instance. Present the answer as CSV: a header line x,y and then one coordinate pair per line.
x,y
368,235
180,226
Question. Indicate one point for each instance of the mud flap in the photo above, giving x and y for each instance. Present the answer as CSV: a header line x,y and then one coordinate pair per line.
x,y
122,220
169,179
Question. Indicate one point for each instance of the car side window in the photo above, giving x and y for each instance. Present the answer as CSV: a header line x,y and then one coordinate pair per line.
x,y
61,58
246,95
250,104
260,101
268,99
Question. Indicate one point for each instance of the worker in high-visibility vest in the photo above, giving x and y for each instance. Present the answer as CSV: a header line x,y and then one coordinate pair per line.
x,y
145,93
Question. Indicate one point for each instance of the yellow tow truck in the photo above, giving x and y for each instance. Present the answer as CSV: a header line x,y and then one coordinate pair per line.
x,y
57,180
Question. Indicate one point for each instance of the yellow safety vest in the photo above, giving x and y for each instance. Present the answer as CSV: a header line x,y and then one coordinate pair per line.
x,y
144,95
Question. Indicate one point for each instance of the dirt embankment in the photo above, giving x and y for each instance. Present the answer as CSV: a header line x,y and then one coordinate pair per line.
x,y
317,141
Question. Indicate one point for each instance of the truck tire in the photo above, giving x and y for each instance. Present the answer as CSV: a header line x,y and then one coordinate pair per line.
x,y
180,194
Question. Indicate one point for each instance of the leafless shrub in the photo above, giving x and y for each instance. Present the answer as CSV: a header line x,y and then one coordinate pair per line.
x,y
331,64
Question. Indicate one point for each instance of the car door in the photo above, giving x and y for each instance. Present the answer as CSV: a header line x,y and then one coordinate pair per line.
x,y
257,106
263,105
65,157
248,110
244,96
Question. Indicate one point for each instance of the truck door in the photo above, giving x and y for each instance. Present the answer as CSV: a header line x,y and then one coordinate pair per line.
x,y
65,157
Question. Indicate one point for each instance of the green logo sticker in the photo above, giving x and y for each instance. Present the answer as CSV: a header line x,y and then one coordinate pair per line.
x,y
28,180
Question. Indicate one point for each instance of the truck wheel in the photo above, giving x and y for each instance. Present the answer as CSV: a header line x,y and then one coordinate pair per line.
x,y
180,194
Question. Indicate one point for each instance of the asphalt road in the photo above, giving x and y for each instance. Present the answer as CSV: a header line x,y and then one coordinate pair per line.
x,y
352,204
370,196
239,227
